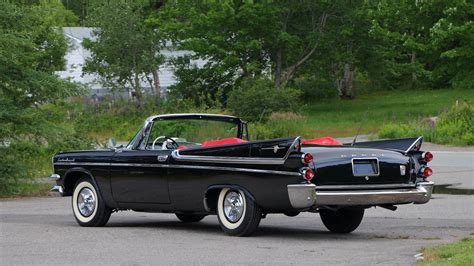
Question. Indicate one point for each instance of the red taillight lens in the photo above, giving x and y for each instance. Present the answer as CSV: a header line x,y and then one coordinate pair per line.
x,y
308,174
427,156
307,158
427,172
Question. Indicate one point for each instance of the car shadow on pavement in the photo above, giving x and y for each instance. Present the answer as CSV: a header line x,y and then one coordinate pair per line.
x,y
264,231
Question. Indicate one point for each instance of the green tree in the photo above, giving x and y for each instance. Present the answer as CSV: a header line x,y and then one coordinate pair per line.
x,y
124,51
30,40
402,31
453,37
241,39
344,49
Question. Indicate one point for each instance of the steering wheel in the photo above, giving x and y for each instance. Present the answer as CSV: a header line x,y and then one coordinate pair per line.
x,y
164,146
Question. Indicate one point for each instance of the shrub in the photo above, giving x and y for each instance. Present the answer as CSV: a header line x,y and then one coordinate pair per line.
x,y
453,127
257,98
313,88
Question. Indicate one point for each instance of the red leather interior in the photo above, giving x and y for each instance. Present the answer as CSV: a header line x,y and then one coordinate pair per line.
x,y
323,141
222,142
181,147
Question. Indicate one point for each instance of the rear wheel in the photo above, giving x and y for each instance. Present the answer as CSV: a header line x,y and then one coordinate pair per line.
x,y
342,221
88,206
189,218
238,214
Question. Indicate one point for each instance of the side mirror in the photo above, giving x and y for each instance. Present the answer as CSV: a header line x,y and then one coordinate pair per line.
x,y
111,143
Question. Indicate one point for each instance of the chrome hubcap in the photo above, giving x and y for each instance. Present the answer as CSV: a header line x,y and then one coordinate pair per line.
x,y
233,206
86,202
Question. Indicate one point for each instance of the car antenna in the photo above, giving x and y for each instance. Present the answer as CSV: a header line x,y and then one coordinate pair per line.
x,y
357,134
360,126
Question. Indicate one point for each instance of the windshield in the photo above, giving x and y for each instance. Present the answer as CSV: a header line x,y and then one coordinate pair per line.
x,y
188,132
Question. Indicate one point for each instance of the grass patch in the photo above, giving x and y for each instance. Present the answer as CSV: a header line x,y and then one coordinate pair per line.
x,y
316,118
342,118
28,189
458,253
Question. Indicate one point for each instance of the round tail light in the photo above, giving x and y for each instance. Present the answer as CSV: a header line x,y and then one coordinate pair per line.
x,y
307,158
427,156
308,174
426,171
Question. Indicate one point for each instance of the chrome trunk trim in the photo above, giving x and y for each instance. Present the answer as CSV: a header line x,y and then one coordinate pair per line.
x,y
371,186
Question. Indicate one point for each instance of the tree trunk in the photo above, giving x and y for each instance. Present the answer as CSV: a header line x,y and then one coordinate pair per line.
x,y
156,83
412,61
278,69
344,84
138,91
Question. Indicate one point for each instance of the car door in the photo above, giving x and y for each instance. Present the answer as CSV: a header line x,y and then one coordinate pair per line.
x,y
140,176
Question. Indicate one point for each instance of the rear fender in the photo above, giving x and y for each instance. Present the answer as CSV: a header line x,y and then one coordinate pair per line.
x,y
212,193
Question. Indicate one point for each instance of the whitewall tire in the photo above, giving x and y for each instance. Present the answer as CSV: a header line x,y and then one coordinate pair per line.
x,y
87,205
238,214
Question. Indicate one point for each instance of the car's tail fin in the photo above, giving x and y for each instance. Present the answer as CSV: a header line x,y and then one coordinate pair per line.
x,y
404,145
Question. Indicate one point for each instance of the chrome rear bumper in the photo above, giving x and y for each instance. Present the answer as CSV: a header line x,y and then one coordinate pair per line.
x,y
307,195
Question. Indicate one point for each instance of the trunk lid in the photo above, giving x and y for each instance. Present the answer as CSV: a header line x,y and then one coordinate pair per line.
x,y
359,166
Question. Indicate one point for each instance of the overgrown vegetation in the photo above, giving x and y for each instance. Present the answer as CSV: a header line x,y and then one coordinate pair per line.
x,y
458,253
455,127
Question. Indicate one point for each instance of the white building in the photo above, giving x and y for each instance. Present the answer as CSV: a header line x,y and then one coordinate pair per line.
x,y
77,55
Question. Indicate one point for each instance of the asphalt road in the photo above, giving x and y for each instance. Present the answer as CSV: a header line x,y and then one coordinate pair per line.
x,y
43,231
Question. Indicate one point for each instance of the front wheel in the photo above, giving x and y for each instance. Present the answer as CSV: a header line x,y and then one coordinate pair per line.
x,y
88,206
342,221
238,214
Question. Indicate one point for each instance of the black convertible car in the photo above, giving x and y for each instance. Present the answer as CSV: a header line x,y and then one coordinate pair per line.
x,y
195,165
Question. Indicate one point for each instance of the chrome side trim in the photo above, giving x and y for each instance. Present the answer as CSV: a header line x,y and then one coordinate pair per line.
x,y
413,144
225,159
241,160
374,186
81,163
218,168
57,189
302,195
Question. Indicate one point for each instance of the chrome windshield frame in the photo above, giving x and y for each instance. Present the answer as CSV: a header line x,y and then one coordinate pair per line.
x,y
144,131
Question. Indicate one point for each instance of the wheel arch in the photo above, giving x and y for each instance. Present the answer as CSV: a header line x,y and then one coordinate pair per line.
x,y
212,194
73,175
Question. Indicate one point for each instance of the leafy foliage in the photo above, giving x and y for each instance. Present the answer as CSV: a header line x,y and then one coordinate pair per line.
x,y
124,51
31,48
256,99
454,127
453,38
